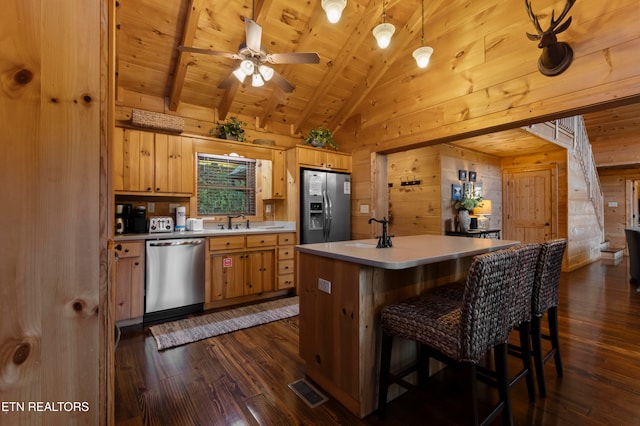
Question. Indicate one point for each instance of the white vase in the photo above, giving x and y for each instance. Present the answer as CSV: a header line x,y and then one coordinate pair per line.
x,y
464,220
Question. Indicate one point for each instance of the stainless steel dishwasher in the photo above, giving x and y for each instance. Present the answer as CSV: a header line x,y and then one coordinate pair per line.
x,y
174,282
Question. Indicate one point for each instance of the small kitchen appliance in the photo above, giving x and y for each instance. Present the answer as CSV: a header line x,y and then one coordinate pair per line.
x,y
123,219
160,224
139,220
194,224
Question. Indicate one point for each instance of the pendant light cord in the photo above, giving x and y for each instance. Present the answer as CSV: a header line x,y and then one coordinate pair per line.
x,y
423,22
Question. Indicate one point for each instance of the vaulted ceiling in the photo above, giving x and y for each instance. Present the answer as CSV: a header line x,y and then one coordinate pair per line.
x,y
352,67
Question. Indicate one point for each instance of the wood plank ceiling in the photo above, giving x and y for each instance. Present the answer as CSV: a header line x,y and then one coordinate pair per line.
x,y
328,94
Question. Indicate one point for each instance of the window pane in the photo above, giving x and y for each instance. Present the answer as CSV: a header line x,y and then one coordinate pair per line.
x,y
226,185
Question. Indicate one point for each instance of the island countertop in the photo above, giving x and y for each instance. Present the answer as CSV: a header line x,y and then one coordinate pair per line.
x,y
407,251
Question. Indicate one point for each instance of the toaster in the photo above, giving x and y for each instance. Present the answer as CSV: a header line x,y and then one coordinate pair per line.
x,y
160,224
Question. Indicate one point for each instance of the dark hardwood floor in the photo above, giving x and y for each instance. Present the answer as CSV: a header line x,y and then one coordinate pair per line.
x,y
241,378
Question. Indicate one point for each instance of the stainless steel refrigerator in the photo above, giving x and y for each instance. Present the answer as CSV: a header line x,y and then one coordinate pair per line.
x,y
325,206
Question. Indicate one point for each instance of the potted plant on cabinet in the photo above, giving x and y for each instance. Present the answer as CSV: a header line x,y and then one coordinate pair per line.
x,y
320,137
232,129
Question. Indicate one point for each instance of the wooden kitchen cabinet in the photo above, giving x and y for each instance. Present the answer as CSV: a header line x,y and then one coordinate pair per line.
x,y
249,265
286,261
153,163
273,176
323,159
129,272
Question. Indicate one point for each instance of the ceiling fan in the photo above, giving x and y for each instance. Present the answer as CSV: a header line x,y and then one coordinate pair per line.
x,y
253,57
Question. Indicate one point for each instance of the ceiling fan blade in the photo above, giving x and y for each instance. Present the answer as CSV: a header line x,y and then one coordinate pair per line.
x,y
209,52
254,35
282,82
293,58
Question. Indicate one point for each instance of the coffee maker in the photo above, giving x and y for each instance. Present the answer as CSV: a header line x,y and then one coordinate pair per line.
x,y
139,220
123,218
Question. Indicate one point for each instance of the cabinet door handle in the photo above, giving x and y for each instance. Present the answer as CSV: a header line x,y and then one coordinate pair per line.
x,y
137,263
118,247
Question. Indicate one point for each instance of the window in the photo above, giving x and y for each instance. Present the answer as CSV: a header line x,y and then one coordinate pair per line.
x,y
226,185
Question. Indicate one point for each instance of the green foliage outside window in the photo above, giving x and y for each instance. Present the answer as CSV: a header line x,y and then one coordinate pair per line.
x,y
226,185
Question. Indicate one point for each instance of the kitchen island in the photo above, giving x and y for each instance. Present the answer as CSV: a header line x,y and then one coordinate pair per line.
x,y
342,288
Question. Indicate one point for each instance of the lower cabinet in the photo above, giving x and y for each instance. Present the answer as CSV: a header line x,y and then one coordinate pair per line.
x,y
129,269
249,265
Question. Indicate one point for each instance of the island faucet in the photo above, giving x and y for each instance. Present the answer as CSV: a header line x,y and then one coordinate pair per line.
x,y
232,217
384,240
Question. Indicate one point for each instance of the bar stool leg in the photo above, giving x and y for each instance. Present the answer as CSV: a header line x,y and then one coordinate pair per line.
x,y
525,344
503,383
552,314
385,370
536,343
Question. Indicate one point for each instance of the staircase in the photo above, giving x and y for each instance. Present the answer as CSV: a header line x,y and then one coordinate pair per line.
x,y
582,149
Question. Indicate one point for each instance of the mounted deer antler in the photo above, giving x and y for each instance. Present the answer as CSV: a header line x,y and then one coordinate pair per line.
x,y
556,56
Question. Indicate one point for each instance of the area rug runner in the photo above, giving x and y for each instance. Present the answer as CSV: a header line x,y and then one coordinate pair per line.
x,y
176,333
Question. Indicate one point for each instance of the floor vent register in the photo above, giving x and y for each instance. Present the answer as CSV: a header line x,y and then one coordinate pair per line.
x,y
308,393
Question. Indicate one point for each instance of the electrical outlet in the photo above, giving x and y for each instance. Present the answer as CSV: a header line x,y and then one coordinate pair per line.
x,y
267,208
173,207
364,208
324,285
151,207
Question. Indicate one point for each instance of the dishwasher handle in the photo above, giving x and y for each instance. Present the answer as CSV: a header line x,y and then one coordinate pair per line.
x,y
177,243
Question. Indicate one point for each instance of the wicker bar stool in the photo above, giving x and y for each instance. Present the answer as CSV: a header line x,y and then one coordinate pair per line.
x,y
457,331
545,300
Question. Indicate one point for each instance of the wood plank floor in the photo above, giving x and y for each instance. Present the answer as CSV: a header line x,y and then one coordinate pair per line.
x,y
241,378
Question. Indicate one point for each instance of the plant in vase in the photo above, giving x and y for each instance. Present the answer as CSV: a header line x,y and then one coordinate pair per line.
x,y
463,205
320,137
232,129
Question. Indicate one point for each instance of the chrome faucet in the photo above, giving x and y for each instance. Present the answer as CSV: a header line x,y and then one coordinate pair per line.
x,y
232,217
384,240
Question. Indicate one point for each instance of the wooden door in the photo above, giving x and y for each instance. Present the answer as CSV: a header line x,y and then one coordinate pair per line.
x,y
530,204
227,275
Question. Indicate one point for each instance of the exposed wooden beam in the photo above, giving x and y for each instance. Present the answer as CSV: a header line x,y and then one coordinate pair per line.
x,y
227,99
180,71
401,43
358,36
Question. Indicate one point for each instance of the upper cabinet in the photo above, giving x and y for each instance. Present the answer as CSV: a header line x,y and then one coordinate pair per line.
x,y
323,159
152,163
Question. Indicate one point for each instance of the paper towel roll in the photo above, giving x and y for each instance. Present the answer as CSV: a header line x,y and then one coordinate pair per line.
x,y
181,218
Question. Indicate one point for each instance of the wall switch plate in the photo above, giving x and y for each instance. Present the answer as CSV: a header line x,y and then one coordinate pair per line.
x,y
324,285
364,208
612,204
173,207
267,208
151,207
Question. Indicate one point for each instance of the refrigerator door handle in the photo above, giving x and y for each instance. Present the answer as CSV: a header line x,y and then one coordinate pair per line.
x,y
329,216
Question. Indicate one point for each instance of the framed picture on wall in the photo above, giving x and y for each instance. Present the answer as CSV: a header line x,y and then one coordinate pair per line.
x,y
462,175
477,189
467,189
456,192
472,176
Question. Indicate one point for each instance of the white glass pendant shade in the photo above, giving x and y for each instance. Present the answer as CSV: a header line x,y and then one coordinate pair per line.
x,y
422,55
247,67
333,9
383,33
239,73
257,81
265,72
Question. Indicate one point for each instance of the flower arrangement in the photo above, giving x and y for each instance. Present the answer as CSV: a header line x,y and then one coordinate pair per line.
x,y
232,129
320,137
468,202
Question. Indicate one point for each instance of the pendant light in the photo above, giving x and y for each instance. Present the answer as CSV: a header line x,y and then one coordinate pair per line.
x,y
384,31
423,54
333,9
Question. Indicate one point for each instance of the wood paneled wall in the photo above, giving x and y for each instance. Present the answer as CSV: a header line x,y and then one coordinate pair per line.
x,y
427,208
617,188
54,339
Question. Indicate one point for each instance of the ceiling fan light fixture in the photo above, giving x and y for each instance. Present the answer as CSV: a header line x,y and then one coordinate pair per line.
x,y
422,55
383,33
266,72
247,67
239,73
333,9
257,81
